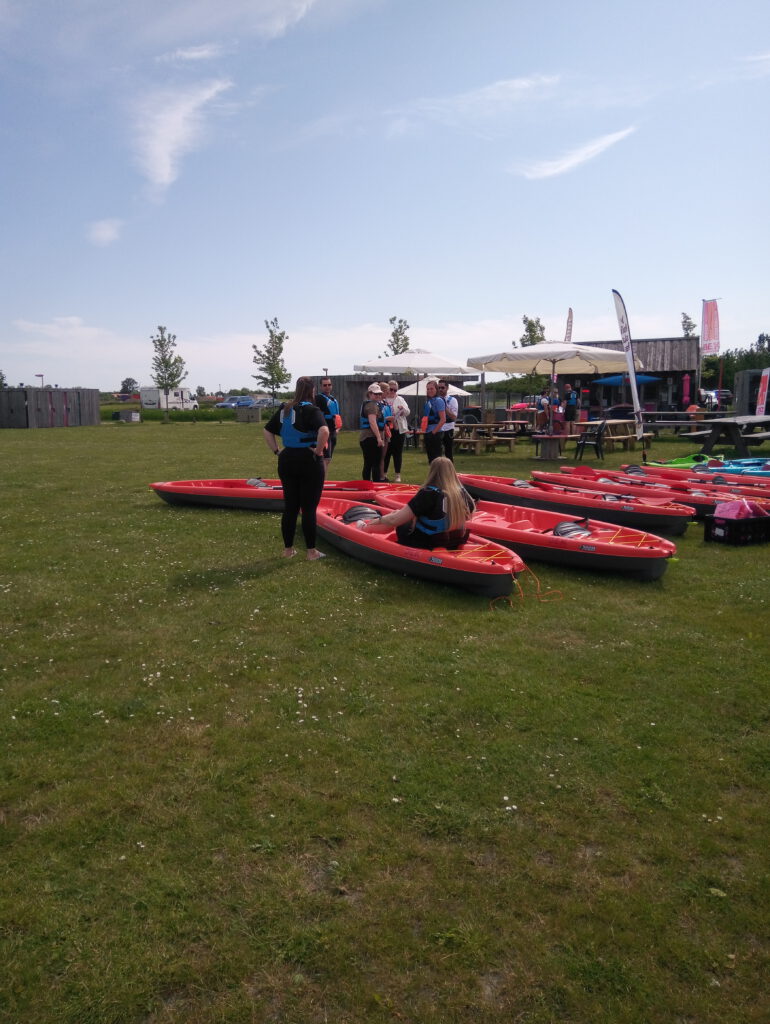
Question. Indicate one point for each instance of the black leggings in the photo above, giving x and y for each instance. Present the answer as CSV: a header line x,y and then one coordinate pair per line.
x,y
433,445
372,454
395,449
302,475
447,442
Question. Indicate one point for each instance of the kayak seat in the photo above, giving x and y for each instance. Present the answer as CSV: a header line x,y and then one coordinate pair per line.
x,y
257,481
572,529
360,512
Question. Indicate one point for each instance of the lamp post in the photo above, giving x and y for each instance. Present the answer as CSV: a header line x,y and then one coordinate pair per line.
x,y
42,381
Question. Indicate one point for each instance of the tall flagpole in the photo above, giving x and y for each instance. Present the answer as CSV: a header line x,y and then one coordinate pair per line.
x,y
625,334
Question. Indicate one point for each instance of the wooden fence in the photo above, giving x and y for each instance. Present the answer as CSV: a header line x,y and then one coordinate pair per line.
x,y
49,407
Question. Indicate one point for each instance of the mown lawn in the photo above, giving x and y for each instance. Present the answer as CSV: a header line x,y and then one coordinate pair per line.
x,y
241,789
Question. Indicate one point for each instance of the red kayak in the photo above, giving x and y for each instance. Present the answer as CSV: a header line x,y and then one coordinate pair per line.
x,y
653,515
538,535
703,499
480,566
255,494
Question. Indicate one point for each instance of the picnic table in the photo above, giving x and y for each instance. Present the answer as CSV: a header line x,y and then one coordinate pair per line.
x,y
617,433
734,431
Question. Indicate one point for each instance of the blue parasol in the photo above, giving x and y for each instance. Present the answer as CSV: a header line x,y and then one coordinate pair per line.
x,y
618,380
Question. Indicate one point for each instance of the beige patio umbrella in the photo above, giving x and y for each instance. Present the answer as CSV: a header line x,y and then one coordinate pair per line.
x,y
554,357
413,389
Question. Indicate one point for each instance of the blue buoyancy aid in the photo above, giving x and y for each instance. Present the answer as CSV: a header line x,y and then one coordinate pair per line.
x,y
364,423
432,412
433,526
293,438
334,407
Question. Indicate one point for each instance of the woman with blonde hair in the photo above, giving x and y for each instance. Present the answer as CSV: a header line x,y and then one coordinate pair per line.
x,y
400,409
436,516
301,426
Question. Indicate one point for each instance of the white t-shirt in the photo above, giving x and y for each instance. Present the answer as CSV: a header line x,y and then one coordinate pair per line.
x,y
452,406
400,408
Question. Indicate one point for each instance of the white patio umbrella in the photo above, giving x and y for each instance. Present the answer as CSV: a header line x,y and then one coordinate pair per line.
x,y
554,357
416,361
413,389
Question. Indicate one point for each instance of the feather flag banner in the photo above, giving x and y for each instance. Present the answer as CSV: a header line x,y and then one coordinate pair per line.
x,y
625,334
709,331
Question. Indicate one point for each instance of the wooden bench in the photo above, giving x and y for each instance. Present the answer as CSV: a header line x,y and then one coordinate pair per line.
x,y
506,440
626,441
474,444
757,438
696,433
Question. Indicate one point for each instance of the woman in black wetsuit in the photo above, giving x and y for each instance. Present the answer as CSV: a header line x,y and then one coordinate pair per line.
x,y
301,426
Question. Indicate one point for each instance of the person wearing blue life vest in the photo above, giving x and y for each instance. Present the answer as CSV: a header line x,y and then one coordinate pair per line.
x,y
436,517
387,414
330,407
448,430
433,418
570,402
304,434
371,422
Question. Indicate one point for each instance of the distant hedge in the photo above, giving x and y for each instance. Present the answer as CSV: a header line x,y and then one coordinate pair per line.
x,y
179,415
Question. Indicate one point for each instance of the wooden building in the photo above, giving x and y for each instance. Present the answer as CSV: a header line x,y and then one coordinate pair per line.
x,y
675,361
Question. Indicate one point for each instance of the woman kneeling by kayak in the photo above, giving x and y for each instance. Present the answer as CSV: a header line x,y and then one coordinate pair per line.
x,y
436,517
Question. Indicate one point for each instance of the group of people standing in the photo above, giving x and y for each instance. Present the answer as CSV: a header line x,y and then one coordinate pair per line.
x,y
384,426
307,426
570,403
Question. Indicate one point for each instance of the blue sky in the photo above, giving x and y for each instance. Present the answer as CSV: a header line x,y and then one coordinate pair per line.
x,y
210,164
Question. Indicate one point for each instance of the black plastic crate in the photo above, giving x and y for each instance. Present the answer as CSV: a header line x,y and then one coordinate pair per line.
x,y
737,531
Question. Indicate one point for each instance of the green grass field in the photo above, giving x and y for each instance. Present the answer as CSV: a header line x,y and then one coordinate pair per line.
x,y
237,788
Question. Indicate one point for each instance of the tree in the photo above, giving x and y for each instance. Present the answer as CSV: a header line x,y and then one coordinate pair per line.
x,y
3,381
534,332
168,369
398,341
688,326
200,391
269,359
128,386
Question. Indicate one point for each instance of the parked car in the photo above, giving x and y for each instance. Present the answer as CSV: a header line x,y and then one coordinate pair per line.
x,y
718,398
236,402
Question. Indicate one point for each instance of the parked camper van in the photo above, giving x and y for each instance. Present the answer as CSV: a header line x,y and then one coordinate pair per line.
x,y
178,398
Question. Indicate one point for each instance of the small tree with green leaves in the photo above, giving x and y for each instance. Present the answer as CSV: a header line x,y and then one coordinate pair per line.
x,y
3,381
128,386
688,326
534,332
168,368
398,341
269,359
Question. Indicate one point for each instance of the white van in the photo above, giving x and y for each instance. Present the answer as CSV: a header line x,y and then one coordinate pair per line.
x,y
178,398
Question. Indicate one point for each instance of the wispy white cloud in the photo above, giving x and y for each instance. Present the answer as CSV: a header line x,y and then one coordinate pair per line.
x,y
192,54
476,108
104,232
93,30
757,66
576,157
168,124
